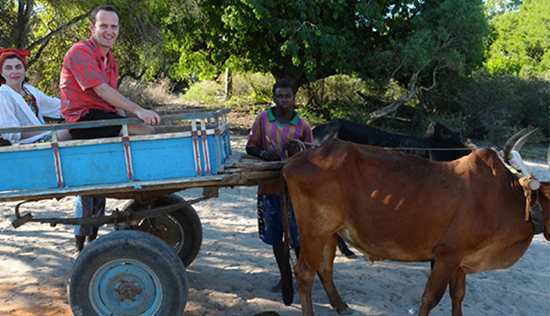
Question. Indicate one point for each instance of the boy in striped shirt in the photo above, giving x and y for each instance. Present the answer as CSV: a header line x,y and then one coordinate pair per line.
x,y
269,140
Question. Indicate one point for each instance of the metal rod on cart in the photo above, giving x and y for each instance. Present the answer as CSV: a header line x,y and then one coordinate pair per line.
x,y
113,218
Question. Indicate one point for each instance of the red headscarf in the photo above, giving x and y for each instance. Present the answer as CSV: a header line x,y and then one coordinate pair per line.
x,y
21,53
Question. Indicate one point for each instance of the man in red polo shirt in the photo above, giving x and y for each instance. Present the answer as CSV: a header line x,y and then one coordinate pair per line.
x,y
88,87
88,82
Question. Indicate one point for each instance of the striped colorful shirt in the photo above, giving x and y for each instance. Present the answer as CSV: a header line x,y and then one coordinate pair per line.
x,y
84,68
268,134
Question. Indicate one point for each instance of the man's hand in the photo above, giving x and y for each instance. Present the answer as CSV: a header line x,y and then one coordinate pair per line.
x,y
293,147
269,155
149,117
119,101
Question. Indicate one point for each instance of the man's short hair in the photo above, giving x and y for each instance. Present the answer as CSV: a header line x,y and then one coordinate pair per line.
x,y
283,83
104,7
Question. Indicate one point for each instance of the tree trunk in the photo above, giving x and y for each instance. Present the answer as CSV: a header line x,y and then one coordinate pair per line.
x,y
21,29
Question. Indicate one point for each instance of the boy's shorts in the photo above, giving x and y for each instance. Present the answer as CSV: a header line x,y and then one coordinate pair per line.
x,y
270,222
96,132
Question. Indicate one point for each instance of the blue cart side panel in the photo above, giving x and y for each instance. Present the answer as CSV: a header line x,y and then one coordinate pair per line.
x,y
31,169
105,163
93,164
163,159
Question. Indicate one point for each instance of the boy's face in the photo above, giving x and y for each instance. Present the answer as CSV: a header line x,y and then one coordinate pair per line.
x,y
284,99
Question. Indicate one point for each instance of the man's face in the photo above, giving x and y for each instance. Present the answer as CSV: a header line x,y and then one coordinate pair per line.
x,y
284,99
105,29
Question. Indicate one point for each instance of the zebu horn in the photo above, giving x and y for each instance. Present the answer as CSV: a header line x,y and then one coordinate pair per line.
x,y
511,152
519,144
517,141
510,144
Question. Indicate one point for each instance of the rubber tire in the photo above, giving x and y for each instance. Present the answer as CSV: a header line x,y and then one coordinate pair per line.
x,y
185,219
125,250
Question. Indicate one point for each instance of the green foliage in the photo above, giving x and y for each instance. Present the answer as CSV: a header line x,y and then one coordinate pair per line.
x,y
252,88
7,23
499,7
305,41
299,40
204,92
337,96
492,108
520,43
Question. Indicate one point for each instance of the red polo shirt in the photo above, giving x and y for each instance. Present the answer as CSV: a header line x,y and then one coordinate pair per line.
x,y
84,67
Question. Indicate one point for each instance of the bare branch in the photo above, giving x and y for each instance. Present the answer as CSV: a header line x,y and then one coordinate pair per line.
x,y
58,30
373,116
433,83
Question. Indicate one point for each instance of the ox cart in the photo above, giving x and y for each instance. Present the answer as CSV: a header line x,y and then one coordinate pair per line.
x,y
130,271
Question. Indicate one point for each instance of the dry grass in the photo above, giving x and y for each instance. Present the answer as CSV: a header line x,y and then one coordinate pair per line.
x,y
149,95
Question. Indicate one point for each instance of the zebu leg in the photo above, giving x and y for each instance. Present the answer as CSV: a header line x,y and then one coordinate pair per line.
x,y
305,275
313,243
325,274
457,290
442,273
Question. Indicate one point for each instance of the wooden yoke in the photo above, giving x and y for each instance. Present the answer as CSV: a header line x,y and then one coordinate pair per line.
x,y
529,184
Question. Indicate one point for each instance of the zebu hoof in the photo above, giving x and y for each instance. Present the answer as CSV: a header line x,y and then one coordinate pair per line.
x,y
350,255
343,310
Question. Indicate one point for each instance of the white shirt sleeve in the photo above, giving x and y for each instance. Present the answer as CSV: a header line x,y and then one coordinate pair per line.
x,y
8,119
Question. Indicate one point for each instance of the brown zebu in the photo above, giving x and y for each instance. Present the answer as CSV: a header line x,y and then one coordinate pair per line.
x,y
467,214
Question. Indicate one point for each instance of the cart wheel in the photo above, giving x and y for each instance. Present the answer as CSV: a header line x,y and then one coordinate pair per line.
x,y
181,229
127,273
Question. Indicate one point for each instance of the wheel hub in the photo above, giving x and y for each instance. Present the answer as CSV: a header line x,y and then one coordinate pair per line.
x,y
125,287
128,291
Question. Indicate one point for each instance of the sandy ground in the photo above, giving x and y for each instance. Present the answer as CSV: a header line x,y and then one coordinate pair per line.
x,y
233,273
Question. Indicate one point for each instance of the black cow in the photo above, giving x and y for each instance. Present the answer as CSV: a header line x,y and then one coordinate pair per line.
x,y
436,136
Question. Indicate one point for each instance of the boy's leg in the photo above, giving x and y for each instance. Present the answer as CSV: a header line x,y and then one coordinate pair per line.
x,y
98,204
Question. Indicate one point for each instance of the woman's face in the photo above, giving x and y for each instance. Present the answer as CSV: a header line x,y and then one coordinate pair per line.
x,y
14,72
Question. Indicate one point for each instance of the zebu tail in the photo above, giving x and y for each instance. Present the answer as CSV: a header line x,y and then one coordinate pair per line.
x,y
286,207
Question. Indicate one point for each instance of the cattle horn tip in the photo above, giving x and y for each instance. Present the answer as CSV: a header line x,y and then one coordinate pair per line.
x,y
520,142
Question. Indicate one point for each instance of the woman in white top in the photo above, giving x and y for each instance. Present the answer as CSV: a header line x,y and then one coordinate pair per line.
x,y
22,104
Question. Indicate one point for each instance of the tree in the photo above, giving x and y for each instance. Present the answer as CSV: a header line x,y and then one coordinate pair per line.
x,y
299,40
499,7
418,43
313,39
520,42
7,18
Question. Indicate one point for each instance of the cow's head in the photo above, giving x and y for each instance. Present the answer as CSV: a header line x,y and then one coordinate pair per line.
x,y
440,133
441,136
